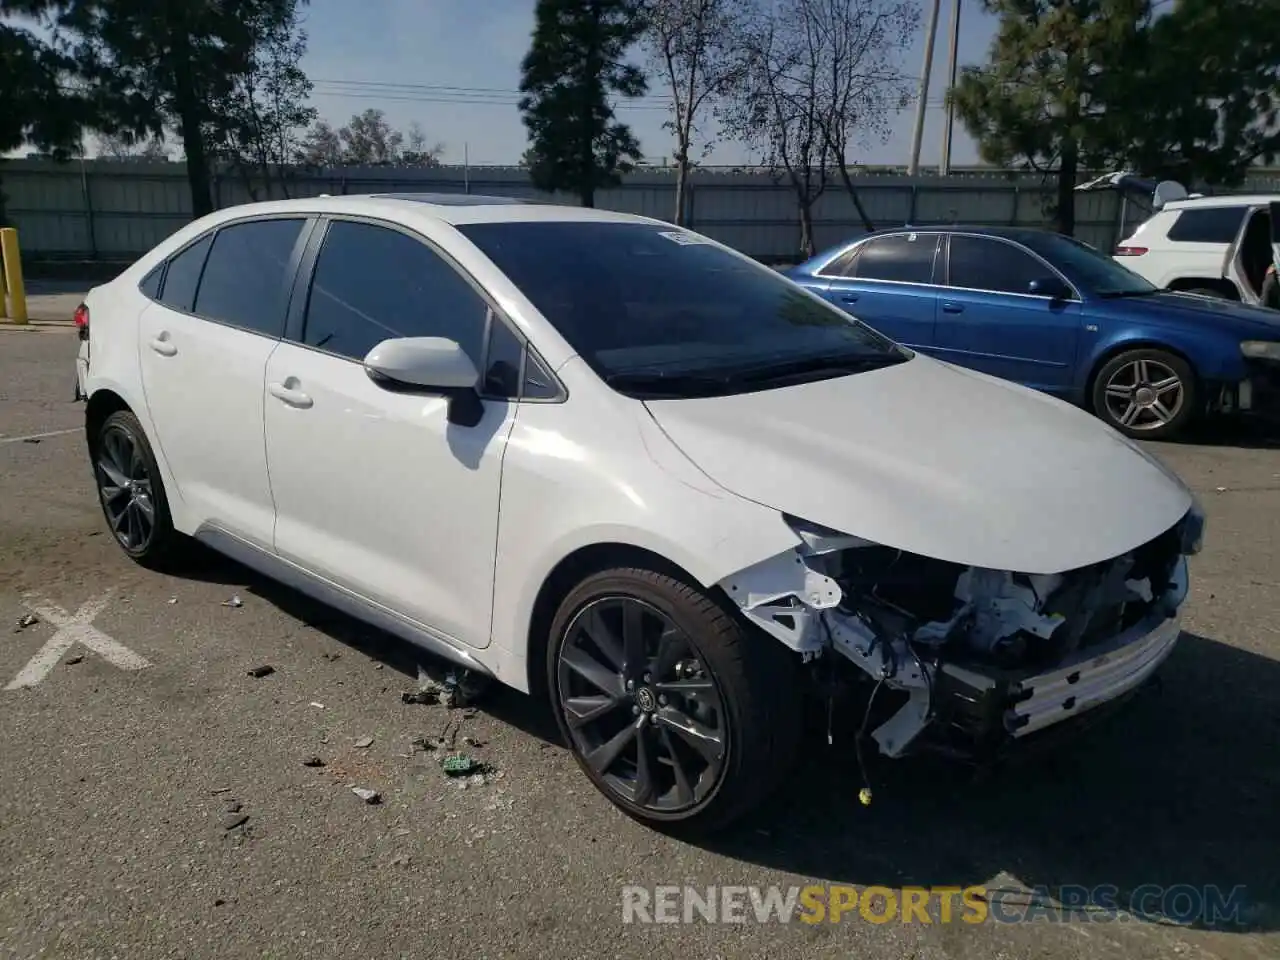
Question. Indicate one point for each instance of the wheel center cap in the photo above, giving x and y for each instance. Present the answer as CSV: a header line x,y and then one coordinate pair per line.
x,y
1145,396
645,700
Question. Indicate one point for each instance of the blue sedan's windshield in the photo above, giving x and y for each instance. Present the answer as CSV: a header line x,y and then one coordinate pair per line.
x,y
1097,273
660,311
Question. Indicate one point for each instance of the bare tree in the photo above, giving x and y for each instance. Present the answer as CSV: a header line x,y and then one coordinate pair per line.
x,y
119,147
690,45
418,151
817,77
863,43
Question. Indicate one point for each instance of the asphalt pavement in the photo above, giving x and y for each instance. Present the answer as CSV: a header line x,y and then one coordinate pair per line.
x,y
156,800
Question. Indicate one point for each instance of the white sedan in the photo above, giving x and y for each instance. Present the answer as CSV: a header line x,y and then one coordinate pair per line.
x,y
613,463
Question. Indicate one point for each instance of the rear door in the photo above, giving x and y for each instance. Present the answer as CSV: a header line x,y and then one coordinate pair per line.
x,y
888,283
989,320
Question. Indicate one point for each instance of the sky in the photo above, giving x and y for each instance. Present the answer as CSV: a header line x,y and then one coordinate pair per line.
x,y
454,68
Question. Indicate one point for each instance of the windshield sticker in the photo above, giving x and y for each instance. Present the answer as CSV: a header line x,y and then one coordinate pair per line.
x,y
682,238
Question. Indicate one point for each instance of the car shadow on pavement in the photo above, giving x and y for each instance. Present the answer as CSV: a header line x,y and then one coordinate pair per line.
x,y
1180,788
1225,432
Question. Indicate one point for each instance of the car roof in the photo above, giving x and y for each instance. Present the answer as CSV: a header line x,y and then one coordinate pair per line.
x,y
1017,234
452,208
1226,200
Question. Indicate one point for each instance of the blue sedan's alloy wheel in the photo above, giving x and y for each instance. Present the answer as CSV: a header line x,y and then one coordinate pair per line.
x,y
1147,394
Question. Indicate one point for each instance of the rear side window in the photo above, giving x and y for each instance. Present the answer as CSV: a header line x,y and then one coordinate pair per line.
x,y
247,274
372,283
183,276
150,285
1207,225
842,266
904,257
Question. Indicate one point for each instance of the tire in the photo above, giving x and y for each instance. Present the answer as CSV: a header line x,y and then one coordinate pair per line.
x,y
121,452
720,681
1154,407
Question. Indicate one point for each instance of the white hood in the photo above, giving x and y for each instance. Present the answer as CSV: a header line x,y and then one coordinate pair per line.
x,y
938,461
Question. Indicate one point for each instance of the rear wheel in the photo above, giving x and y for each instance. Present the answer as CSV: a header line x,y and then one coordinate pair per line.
x,y
1147,394
672,710
131,492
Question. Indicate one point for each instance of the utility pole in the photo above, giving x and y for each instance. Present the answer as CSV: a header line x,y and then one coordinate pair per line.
x,y
944,168
922,101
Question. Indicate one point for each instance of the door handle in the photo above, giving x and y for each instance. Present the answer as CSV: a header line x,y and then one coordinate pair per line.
x,y
950,307
162,346
289,395
849,297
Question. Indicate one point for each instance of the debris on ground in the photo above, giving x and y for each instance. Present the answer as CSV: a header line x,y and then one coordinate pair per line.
x,y
233,820
464,688
423,744
27,620
460,765
472,742
233,806
367,795
262,671
421,696
363,743
217,790
72,661
1222,489
235,601
317,704
173,599
401,860
31,439
331,656
313,762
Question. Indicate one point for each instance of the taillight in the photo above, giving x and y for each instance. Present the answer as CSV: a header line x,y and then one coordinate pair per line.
x,y
82,321
1130,251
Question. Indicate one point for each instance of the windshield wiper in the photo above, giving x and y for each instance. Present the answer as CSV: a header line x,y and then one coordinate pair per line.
x,y
667,384
836,366
1119,294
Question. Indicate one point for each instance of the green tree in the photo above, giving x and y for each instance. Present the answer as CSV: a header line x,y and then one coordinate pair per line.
x,y
154,65
1041,101
575,66
1199,102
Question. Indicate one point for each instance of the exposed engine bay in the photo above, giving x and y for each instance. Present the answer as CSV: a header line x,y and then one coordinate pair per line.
x,y
981,655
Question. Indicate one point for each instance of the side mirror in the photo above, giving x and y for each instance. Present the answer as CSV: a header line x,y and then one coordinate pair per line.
x,y
435,365
1051,287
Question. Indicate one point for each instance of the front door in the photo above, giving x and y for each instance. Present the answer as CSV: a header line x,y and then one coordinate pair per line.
x,y
888,285
989,320
203,350
376,490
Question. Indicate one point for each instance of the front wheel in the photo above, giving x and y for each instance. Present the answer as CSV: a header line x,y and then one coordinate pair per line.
x,y
674,711
1147,394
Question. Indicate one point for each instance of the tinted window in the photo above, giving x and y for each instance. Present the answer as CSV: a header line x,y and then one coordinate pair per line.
x,y
905,257
539,384
638,299
247,273
504,359
372,283
843,265
1207,225
183,275
150,285
1091,271
979,263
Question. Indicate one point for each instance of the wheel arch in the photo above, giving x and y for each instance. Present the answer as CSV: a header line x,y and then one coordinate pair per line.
x,y
1221,284
102,404
565,575
1141,343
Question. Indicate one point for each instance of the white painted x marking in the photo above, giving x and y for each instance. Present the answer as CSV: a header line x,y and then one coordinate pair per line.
x,y
73,629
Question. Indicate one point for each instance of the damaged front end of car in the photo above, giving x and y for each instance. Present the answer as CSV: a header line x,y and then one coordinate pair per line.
x,y
979,659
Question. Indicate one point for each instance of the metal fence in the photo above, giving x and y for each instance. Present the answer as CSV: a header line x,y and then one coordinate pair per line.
x,y
109,210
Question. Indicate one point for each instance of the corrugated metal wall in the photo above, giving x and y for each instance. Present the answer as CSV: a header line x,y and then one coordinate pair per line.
x,y
112,210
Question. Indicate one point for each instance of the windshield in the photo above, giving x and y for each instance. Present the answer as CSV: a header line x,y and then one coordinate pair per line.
x,y
658,311
1084,266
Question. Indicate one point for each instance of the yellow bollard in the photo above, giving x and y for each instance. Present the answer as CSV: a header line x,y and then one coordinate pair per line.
x,y
13,275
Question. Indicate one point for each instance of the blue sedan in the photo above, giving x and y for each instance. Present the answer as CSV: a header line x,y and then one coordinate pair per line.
x,y
1054,314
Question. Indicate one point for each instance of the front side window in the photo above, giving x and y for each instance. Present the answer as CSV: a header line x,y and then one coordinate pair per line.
x,y
904,257
980,263
374,283
247,275
662,311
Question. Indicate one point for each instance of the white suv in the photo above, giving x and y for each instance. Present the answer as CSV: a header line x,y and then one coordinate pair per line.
x,y
1216,246
598,457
